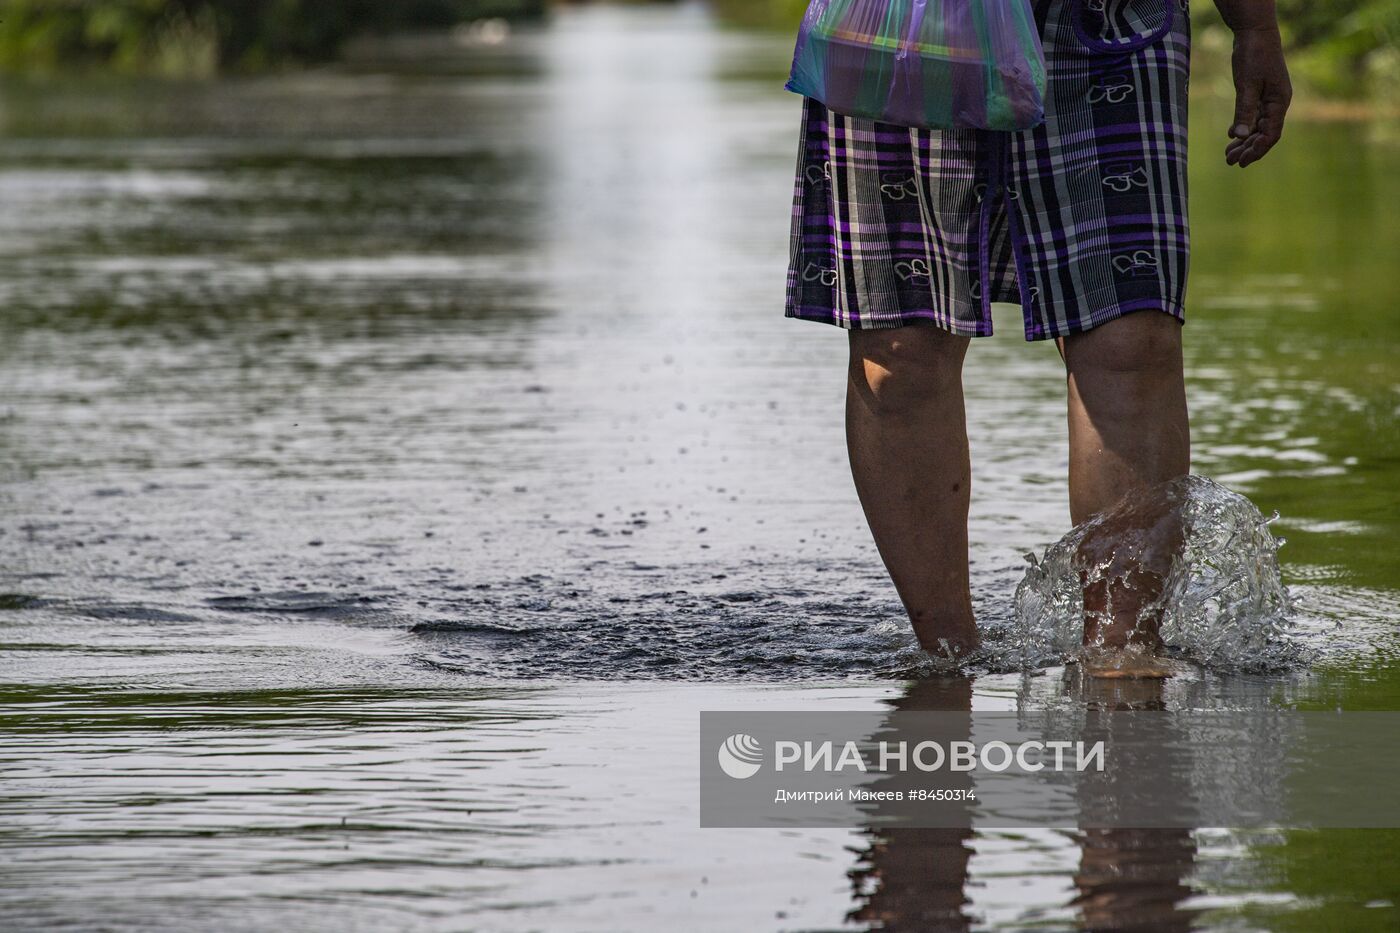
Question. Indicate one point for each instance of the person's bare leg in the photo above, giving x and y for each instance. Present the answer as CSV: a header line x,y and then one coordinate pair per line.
x,y
1128,426
1124,559
1128,430
907,436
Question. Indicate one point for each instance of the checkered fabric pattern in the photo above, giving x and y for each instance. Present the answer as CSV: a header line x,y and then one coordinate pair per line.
x,y
1079,220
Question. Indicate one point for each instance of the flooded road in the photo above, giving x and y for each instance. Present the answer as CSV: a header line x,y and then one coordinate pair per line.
x,y
395,459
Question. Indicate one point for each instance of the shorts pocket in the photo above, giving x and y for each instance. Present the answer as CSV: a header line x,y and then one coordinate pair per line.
x,y
1115,27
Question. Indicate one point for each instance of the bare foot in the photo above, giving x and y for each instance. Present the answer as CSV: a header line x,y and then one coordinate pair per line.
x,y
1121,611
950,643
1131,663
1124,560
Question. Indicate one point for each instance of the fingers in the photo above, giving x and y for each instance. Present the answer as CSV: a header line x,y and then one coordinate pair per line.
x,y
1245,126
1274,110
1262,93
1247,95
1245,150
1249,150
1258,124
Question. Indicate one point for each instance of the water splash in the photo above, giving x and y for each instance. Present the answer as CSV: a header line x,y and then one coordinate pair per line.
x,y
1222,602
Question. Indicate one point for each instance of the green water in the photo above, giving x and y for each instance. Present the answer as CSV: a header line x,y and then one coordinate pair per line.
x,y
394,457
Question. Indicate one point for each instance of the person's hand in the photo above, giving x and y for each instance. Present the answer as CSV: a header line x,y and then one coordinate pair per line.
x,y
1262,93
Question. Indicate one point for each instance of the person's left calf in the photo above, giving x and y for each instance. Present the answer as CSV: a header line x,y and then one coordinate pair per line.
x,y
1124,560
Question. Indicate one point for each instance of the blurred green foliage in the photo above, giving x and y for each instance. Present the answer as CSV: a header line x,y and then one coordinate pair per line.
x,y
200,37
1340,47
1347,48
775,13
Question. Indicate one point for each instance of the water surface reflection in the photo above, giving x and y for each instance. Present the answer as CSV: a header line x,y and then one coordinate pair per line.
x,y
381,449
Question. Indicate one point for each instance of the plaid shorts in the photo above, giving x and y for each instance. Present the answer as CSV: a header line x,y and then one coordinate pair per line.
x,y
1079,220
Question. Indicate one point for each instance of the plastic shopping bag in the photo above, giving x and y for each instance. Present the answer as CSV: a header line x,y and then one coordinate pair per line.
x,y
928,63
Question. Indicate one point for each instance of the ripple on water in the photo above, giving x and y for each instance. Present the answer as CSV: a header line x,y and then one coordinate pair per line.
x,y
1223,606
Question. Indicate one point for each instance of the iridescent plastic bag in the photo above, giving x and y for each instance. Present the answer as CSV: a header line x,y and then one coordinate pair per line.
x,y
927,63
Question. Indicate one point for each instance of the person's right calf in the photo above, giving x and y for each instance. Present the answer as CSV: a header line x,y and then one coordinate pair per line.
x,y
907,439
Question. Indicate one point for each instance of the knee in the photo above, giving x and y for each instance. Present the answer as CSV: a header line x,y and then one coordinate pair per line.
x,y
906,370
1145,344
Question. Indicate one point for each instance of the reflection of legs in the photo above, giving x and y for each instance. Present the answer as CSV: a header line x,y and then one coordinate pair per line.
x,y
1131,879
907,436
1128,430
916,878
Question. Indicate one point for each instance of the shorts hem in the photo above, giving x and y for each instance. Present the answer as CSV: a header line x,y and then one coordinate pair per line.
x,y
1078,325
1083,323
906,319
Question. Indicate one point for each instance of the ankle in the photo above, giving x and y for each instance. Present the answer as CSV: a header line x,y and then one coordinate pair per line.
x,y
950,632
1122,633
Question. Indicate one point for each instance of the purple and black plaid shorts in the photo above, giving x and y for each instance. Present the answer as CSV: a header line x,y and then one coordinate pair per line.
x,y
1079,220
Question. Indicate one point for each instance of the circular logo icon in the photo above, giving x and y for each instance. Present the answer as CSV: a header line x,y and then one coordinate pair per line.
x,y
741,756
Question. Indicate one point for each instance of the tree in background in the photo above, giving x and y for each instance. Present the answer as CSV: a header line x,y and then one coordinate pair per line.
x,y
200,37
1337,47
1343,46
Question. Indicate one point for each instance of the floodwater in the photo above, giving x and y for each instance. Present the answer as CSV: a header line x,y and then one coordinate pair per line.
x,y
395,459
